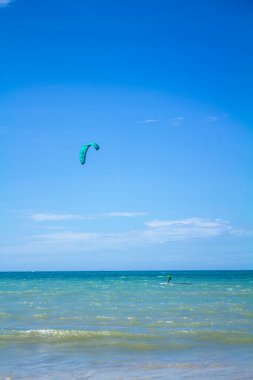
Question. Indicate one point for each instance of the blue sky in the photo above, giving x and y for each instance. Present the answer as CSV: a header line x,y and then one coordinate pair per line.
x,y
165,88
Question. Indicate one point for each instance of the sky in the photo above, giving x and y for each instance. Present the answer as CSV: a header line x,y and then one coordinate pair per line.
x,y
165,88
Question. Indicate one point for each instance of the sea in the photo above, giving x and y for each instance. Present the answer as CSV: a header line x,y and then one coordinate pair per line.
x,y
124,325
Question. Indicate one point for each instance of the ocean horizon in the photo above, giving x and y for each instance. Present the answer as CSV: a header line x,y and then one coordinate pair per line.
x,y
126,324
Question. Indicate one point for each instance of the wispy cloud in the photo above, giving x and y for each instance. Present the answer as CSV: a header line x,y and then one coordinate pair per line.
x,y
176,121
49,217
157,232
173,121
191,222
147,121
191,228
4,3
123,214
216,118
212,119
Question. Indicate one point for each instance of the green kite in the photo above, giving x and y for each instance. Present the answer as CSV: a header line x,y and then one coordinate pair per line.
x,y
84,150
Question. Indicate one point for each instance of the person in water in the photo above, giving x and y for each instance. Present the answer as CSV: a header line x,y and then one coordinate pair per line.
x,y
169,277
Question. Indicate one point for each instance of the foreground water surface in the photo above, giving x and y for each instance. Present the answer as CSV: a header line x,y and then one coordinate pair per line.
x,y
126,325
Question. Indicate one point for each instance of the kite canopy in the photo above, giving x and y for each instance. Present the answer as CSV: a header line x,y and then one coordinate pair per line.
x,y
84,150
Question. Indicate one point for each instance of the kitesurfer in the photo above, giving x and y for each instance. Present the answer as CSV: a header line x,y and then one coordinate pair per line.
x,y
169,277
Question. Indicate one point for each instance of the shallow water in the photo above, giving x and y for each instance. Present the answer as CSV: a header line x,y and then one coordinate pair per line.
x,y
126,325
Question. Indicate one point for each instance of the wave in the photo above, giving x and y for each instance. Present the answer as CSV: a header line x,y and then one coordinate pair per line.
x,y
172,339
57,335
224,337
102,340
4,315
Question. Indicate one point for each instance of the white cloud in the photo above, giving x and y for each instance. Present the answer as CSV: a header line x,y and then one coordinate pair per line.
x,y
176,121
149,121
191,222
45,217
155,234
49,217
173,121
5,2
124,214
212,119
158,232
190,228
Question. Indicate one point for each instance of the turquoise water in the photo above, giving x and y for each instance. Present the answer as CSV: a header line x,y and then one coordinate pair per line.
x,y
126,325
